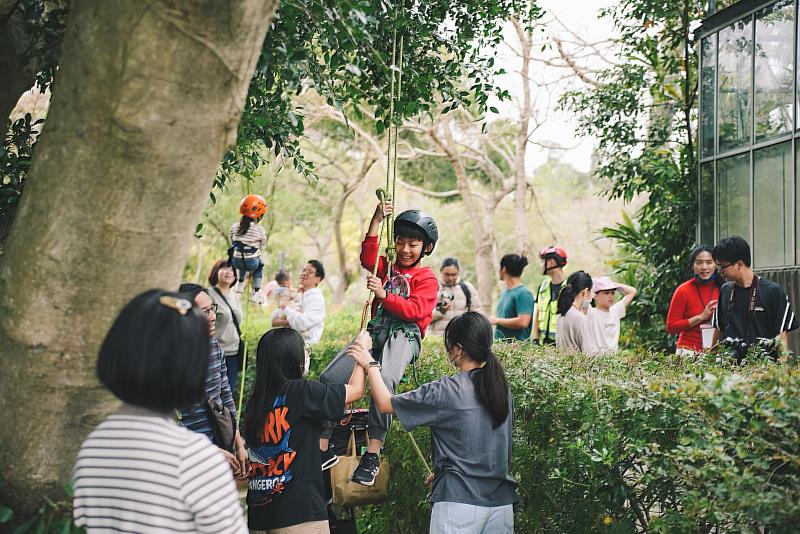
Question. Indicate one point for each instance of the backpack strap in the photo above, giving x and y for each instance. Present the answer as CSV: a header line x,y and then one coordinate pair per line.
x,y
467,294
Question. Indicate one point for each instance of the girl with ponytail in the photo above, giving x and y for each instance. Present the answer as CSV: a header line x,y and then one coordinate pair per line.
x,y
469,415
573,331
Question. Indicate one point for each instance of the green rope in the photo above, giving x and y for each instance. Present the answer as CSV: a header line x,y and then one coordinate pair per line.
x,y
244,340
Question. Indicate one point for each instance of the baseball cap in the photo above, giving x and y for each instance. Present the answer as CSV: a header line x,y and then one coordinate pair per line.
x,y
604,283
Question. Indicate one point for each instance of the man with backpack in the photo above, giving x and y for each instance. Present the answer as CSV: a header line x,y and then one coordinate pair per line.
x,y
455,297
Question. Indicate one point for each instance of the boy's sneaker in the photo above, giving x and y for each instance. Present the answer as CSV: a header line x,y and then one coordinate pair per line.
x,y
257,298
367,470
329,459
240,287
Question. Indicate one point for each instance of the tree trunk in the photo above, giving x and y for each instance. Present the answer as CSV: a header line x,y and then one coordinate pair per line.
x,y
521,179
481,216
149,97
345,273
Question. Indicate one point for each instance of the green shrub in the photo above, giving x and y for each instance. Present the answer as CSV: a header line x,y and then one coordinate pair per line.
x,y
620,443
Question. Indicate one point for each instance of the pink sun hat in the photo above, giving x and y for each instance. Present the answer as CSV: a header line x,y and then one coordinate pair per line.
x,y
604,283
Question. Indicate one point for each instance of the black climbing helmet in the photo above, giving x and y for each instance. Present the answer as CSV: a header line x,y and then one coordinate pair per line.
x,y
425,223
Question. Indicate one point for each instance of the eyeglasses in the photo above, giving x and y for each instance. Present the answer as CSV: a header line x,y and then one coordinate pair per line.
x,y
210,310
721,268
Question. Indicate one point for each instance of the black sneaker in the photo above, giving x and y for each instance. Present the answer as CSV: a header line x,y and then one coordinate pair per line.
x,y
329,459
368,468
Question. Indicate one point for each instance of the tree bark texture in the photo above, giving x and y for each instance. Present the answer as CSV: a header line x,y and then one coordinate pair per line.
x,y
523,125
148,99
481,215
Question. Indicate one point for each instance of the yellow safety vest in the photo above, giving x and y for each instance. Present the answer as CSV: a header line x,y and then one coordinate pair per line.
x,y
548,312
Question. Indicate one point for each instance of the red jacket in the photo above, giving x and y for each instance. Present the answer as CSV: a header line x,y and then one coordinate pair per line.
x,y
424,288
690,299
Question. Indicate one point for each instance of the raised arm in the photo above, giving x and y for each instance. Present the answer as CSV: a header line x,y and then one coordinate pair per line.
x,y
628,292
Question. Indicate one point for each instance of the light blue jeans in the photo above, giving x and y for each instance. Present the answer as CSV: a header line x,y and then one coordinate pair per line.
x,y
458,518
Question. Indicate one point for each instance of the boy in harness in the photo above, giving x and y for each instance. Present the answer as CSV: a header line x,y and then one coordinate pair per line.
x,y
401,312
247,239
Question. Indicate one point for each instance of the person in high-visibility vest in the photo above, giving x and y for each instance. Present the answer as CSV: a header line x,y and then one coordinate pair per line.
x,y
545,311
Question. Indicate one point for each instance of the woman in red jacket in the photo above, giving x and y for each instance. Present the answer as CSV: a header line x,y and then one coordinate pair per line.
x,y
694,302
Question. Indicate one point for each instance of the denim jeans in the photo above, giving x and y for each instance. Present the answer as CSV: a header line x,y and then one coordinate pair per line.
x,y
252,265
458,518
232,364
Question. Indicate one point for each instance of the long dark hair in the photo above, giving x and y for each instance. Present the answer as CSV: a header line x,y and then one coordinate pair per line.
x,y
474,333
577,282
279,360
244,225
696,251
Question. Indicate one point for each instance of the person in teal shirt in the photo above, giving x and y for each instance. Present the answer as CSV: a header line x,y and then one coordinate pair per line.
x,y
515,309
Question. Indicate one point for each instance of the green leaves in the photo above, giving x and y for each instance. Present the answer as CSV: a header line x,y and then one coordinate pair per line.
x,y
641,116
343,50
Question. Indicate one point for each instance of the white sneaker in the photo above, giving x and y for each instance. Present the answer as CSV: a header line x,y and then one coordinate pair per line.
x,y
240,287
257,298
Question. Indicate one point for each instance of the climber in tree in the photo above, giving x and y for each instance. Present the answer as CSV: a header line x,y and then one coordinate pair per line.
x,y
401,312
247,239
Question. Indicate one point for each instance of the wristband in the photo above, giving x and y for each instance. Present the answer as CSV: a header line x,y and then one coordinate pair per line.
x,y
373,363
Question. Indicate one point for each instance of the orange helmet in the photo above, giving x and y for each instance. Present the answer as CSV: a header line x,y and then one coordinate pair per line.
x,y
253,206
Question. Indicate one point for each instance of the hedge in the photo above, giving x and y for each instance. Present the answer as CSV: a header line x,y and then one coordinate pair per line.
x,y
621,443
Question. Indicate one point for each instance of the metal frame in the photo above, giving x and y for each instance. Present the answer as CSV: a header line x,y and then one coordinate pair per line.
x,y
711,27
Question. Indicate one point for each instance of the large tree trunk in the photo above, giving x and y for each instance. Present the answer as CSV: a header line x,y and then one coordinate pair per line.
x,y
149,97
481,215
523,125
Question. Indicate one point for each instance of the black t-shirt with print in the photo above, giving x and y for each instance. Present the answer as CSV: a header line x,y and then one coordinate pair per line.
x,y
759,311
285,486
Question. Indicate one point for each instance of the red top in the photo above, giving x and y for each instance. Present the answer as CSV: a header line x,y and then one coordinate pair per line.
x,y
690,299
423,294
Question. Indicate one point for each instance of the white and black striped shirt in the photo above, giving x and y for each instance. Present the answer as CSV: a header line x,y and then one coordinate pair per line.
x,y
255,237
138,471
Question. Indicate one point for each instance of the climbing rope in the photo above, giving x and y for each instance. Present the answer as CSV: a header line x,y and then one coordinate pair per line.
x,y
388,193
244,333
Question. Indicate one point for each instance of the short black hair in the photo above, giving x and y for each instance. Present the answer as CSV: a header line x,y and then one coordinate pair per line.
x,y
191,291
450,262
318,268
281,276
154,357
514,264
410,231
732,249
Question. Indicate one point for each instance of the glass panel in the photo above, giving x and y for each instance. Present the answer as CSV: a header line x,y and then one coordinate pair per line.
x,y
735,75
774,69
707,204
733,196
772,173
709,74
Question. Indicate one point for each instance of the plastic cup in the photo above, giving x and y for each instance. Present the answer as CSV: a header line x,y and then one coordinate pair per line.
x,y
708,335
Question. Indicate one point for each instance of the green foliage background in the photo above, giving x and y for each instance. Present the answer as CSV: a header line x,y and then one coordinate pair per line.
x,y
618,443
642,112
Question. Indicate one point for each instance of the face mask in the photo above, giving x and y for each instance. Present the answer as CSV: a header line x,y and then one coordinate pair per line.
x,y
306,365
701,281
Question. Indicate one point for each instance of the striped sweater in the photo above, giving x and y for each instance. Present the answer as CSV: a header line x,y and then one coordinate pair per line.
x,y
217,388
254,237
140,472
